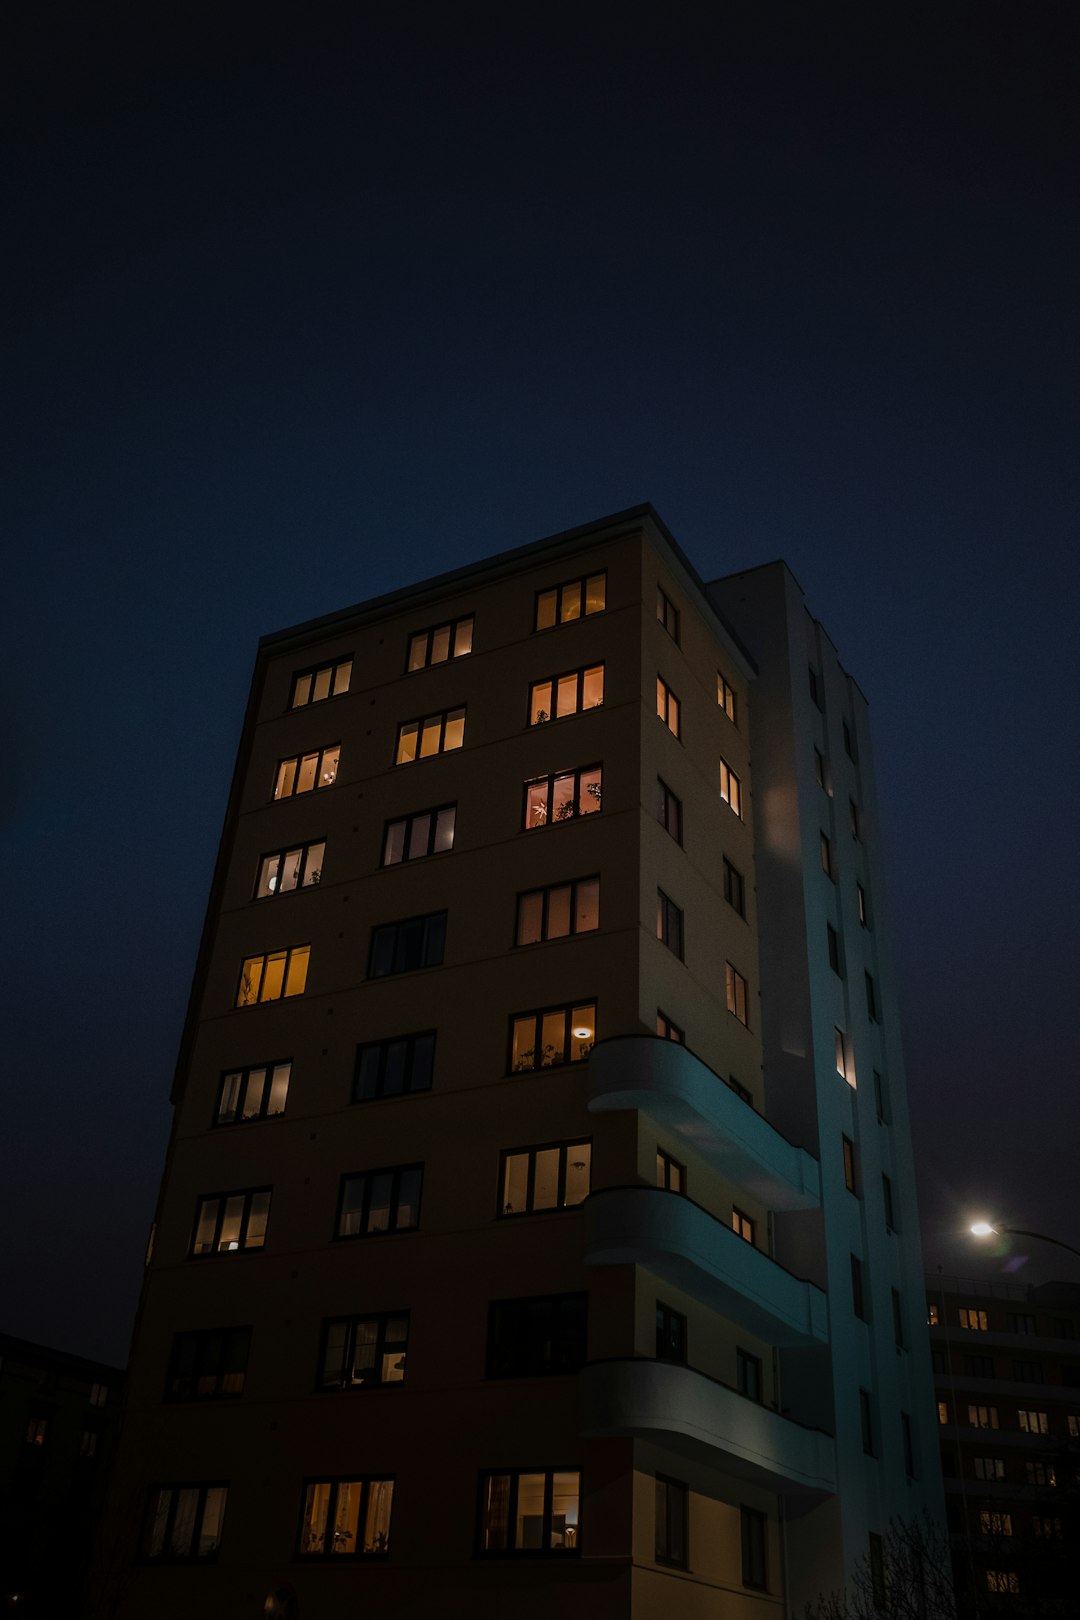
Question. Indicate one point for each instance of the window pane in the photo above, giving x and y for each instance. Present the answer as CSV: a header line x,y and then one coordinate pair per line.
x,y
273,976
539,703
182,1535
322,686
286,779
578,1161
352,1202
440,644
496,1510
257,1219
346,1513
552,1039
587,906
546,1184
515,1183
408,1211
444,829
394,847
582,1032
423,1063
406,748
463,638
595,593
419,833
571,602
250,980
530,918
204,1232
329,766
342,677
673,713
546,604
589,795
567,700
562,799
529,1524
593,688
430,736
564,1509
268,872
661,698
337,1338
301,691
305,780
418,651
229,1236
316,1510
213,1513
394,1068
379,1209
559,912
367,1072
253,1094
313,862
230,1098
434,941
290,870
298,966
523,1051
377,1523
455,729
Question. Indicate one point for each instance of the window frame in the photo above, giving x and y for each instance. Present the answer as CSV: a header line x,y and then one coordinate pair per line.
x,y
383,1346
313,674
836,960
858,1290
396,1171
514,1475
744,1226
434,813
851,1179
452,626
240,1117
579,675
383,1046
319,785
503,1211
582,585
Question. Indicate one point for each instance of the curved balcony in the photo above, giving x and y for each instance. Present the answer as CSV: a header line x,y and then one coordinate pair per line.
x,y
666,1081
694,1415
689,1248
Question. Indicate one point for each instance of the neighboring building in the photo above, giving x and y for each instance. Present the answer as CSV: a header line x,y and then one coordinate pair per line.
x,y
537,1232
1007,1375
58,1419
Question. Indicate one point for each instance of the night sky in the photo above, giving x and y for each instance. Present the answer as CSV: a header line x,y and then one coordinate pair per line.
x,y
301,313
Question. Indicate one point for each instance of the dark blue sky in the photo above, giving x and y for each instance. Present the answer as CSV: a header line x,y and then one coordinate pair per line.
x,y
299,315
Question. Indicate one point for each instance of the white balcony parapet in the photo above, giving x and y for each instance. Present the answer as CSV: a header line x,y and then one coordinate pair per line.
x,y
665,1080
683,1410
682,1243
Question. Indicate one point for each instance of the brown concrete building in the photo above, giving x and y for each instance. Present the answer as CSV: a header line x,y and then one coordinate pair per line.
x,y
537,1233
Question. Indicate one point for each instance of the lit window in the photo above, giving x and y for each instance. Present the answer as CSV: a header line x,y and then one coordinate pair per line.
x,y
551,799
670,1174
229,1222
255,1093
209,1365
316,685
1002,1580
671,1517
735,993
530,1338
405,946
425,832
749,1380
395,1067
563,695
436,646
346,1518
1073,1422
742,1224
289,869
36,1430
578,598
844,1067
668,810
991,1468
753,1531
376,1202
304,773
667,706
433,734
183,1522
1033,1422
667,1030
361,1352
541,1040
849,1162
667,613
943,1412
558,911
553,1176
273,975
670,1335
669,923
530,1511
725,697
982,1417
974,1321
730,788
734,888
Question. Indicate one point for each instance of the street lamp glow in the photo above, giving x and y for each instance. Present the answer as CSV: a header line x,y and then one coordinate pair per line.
x,y
982,1229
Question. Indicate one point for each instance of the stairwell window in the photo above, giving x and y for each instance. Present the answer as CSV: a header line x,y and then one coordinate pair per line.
x,y
304,773
561,695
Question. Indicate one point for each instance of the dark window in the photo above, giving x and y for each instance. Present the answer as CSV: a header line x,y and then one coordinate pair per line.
x,y
668,810
826,858
734,888
286,870
346,1518
1021,1322
873,1012
438,645
835,961
669,923
667,1030
542,1040
208,1365
877,1570
858,1302
667,613
864,909
754,1561
887,1200
394,1067
815,687
671,1522
1035,1473
303,773
735,993
273,975
563,797
558,696
431,734
380,1201
1028,1372
670,1174
553,1176
741,1091
980,1366
228,1222
425,832
183,1522
748,1375
578,598
725,697
530,1511
254,1093
528,1338
730,788
360,1352
819,767
866,1419
402,947
853,812
558,911
898,1319
670,1335
315,685
880,1098
667,706
849,1164
909,1443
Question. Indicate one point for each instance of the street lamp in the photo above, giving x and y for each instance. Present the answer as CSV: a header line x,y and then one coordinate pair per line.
x,y
984,1229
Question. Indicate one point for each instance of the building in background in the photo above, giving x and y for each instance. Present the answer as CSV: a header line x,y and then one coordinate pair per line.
x,y
1006,1365
537,1232
58,1419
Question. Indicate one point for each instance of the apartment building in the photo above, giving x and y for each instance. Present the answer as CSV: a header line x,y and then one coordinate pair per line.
x,y
1006,1362
537,1230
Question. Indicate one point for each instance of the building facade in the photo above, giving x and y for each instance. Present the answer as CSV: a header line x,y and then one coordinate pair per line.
x,y
537,1226
1006,1363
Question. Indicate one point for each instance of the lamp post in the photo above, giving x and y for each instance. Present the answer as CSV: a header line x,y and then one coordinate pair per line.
x,y
983,1229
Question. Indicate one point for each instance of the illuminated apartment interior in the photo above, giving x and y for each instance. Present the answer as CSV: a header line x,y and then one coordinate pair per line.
x,y
537,1227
